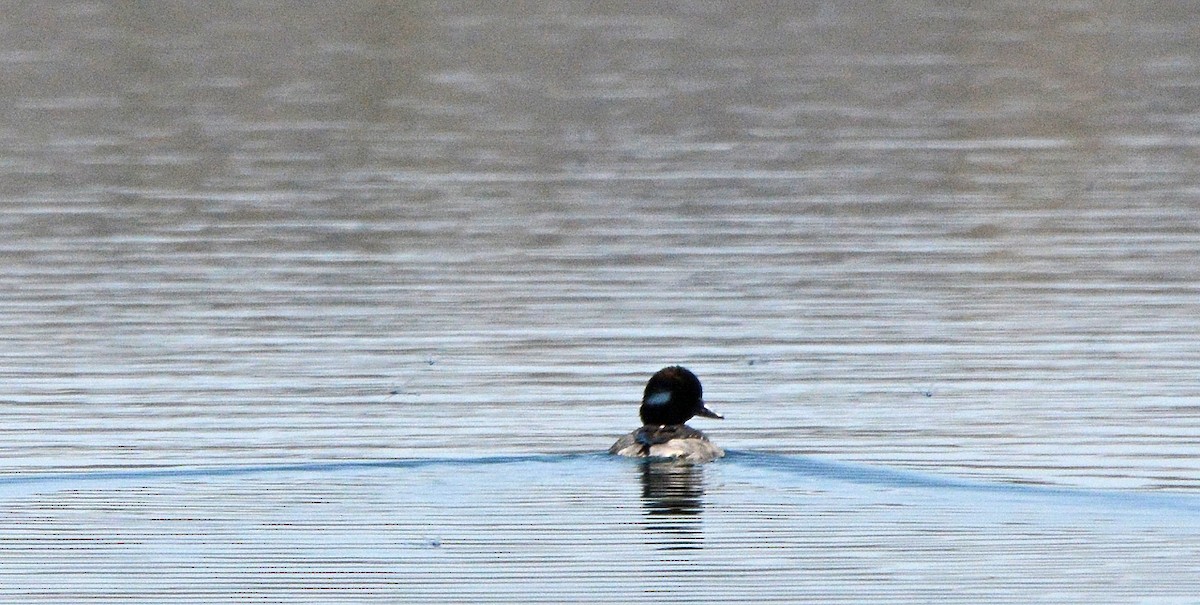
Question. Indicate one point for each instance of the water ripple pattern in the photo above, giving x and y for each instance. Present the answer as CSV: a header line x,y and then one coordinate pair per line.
x,y
584,528
338,301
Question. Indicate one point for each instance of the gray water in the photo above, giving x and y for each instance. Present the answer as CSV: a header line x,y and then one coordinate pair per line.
x,y
317,302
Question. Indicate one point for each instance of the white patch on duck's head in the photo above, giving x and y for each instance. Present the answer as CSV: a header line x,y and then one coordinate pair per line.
x,y
658,398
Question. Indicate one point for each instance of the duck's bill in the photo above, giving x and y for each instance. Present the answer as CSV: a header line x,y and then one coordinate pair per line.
x,y
707,413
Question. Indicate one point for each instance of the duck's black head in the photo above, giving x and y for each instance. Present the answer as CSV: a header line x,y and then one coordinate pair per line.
x,y
672,396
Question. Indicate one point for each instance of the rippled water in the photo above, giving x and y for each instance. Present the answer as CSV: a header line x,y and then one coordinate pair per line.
x,y
309,302
588,528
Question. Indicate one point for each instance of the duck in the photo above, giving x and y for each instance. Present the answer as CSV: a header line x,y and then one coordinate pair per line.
x,y
672,397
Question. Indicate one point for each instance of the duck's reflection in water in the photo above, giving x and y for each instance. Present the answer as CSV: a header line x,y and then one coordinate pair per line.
x,y
673,496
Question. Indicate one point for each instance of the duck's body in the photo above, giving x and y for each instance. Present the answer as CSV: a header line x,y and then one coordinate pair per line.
x,y
678,441
672,397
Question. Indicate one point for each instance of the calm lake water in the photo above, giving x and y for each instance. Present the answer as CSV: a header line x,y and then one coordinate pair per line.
x,y
329,302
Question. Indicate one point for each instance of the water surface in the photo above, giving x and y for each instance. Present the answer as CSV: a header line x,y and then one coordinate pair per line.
x,y
588,528
279,247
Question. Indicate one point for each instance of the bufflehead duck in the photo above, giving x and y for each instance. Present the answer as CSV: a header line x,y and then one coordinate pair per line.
x,y
672,396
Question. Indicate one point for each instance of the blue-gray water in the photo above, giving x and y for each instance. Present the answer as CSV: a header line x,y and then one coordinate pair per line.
x,y
587,528
315,302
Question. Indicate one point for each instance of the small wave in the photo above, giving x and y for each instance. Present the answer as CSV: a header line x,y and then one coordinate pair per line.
x,y
66,480
803,466
793,466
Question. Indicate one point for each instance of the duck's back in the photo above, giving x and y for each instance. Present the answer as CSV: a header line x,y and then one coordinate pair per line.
x,y
676,441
